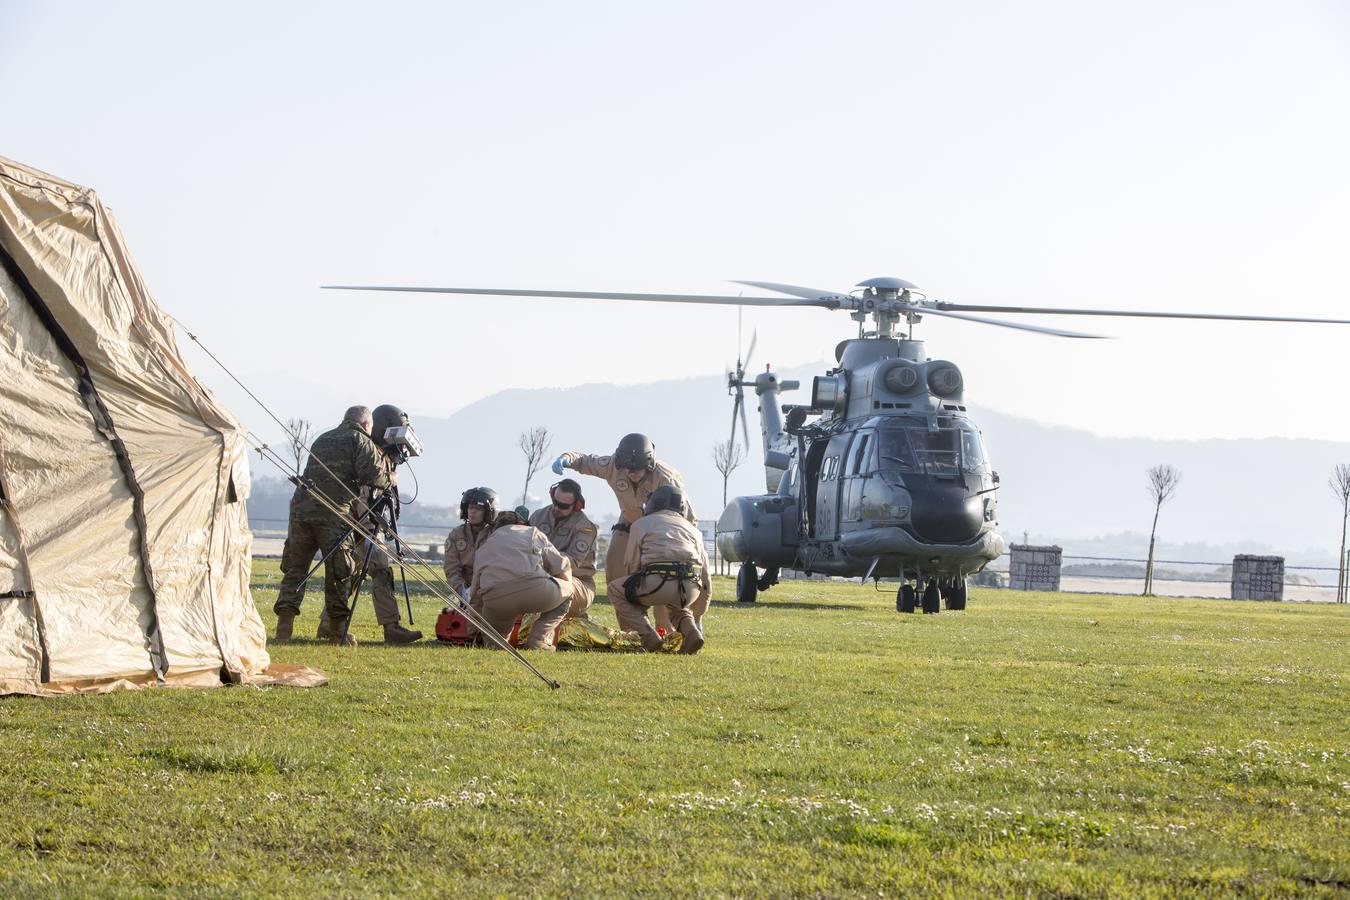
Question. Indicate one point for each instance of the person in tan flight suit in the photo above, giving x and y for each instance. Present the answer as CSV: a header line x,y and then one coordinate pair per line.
x,y
634,473
573,533
477,509
516,570
669,569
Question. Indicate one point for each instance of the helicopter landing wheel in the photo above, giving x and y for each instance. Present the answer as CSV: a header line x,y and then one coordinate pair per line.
x,y
904,598
956,595
747,583
932,600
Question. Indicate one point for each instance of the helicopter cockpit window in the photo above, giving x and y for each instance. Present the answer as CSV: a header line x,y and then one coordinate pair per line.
x,y
914,448
972,449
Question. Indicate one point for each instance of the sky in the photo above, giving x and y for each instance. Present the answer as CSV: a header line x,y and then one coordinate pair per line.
x,y
1146,155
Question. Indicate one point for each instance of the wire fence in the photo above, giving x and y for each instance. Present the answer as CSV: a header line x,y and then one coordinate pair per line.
x,y
1081,573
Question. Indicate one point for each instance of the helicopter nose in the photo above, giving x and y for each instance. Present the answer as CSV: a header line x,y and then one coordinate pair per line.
x,y
945,514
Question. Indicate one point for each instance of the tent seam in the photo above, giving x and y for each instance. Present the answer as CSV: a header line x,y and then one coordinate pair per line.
x,y
196,405
45,656
104,423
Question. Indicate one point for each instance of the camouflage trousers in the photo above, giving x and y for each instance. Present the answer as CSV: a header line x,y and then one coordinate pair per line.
x,y
306,535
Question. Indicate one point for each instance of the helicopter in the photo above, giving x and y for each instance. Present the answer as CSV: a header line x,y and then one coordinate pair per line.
x,y
881,474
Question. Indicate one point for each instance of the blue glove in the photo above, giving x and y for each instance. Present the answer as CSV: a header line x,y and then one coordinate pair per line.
x,y
558,465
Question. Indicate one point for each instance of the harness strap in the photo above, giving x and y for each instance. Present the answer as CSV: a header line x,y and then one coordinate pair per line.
x,y
680,573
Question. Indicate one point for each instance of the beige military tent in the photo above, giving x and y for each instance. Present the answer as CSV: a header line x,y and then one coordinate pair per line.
x,y
124,541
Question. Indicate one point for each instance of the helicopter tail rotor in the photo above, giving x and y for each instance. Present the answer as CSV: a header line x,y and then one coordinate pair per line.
x,y
736,385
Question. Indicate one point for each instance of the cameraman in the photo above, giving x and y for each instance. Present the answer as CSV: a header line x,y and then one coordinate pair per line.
x,y
375,554
341,463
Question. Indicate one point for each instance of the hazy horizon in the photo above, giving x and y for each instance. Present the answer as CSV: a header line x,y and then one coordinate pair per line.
x,y
1152,156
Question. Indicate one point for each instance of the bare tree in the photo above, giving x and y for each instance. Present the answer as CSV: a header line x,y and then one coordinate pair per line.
x,y
1162,484
727,457
1339,482
298,432
534,444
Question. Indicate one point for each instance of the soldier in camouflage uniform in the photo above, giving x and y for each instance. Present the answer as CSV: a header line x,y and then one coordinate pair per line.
x,y
341,462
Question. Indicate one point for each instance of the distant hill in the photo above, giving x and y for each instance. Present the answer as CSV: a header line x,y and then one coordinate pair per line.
x,y
1058,484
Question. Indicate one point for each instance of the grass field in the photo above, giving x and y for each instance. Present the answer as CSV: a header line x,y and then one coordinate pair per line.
x,y
1044,744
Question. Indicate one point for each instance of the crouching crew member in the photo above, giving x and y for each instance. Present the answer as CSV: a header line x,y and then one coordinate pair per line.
x,y
669,569
341,462
477,509
516,570
573,533
634,473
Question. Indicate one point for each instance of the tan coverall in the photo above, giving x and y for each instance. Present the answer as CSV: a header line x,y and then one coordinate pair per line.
x,y
631,496
665,537
460,546
516,570
574,537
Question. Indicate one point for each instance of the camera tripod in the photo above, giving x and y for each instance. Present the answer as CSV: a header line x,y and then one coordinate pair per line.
x,y
381,517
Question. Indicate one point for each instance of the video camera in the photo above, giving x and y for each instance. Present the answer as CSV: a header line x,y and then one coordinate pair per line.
x,y
394,434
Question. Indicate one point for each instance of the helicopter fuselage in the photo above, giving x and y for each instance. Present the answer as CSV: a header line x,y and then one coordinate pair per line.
x,y
881,475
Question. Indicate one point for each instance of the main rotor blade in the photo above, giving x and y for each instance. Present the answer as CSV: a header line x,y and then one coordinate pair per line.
x,y
1039,329
795,290
1133,313
588,295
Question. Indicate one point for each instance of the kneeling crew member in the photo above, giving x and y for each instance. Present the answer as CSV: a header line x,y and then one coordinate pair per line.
x,y
341,463
477,509
634,473
516,570
573,533
670,568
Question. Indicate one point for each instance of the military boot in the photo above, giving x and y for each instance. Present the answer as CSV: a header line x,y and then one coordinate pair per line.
x,y
693,637
651,641
340,635
325,632
285,625
397,634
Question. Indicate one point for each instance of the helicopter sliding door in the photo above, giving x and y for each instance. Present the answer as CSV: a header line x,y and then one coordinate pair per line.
x,y
830,486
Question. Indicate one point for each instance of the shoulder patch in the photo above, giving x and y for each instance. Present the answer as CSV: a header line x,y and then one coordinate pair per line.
x,y
622,484
461,545
583,545
603,460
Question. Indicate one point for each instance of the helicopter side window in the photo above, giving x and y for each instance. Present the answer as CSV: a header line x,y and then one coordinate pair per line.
x,y
860,455
972,449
